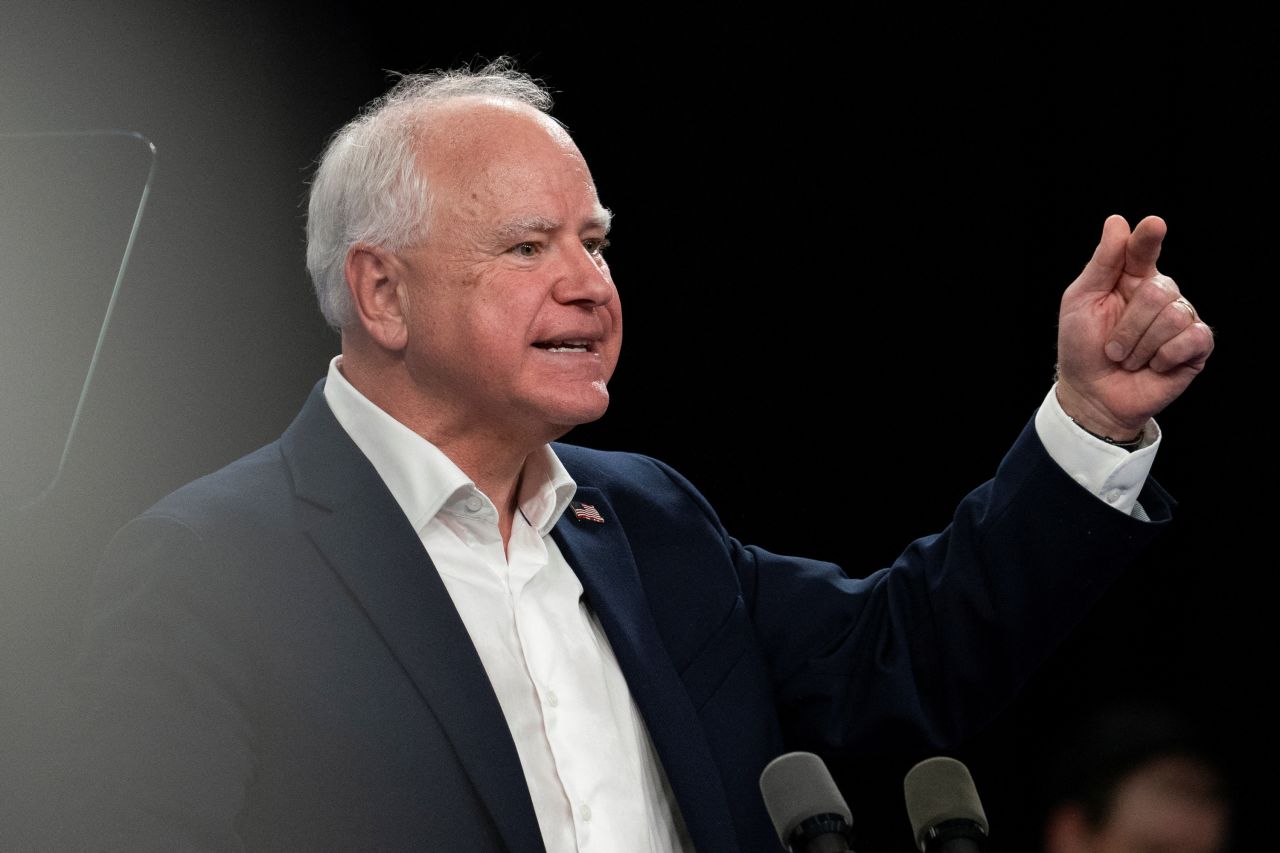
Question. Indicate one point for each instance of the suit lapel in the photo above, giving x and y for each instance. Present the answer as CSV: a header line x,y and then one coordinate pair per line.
x,y
602,558
356,524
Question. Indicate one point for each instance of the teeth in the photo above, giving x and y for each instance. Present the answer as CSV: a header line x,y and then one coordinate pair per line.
x,y
567,346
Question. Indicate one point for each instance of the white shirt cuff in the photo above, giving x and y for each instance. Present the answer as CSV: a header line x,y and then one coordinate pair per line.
x,y
1111,473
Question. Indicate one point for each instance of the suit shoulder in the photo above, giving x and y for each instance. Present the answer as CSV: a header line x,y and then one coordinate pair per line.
x,y
633,478
607,468
252,486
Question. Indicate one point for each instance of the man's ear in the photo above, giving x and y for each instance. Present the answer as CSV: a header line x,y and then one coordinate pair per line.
x,y
377,294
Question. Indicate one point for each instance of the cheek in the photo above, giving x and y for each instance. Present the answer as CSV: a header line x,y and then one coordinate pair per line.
x,y
500,326
615,315
615,334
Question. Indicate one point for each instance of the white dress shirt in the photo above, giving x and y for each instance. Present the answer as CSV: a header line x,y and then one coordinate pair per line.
x,y
592,771
594,777
1111,473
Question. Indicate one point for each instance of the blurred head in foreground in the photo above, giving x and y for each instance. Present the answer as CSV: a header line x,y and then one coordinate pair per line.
x,y
1135,779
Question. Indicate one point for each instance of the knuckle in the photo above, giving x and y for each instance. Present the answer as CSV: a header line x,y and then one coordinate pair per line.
x,y
1191,346
1178,317
1204,336
1157,291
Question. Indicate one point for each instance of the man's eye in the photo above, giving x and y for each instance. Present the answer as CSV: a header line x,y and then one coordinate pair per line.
x,y
595,245
525,250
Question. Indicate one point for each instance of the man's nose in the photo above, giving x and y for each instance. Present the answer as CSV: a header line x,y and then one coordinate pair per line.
x,y
585,279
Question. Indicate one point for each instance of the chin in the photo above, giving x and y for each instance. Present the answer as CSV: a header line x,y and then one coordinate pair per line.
x,y
577,412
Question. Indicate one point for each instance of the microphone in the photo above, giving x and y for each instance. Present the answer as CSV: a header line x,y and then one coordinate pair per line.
x,y
942,803
805,805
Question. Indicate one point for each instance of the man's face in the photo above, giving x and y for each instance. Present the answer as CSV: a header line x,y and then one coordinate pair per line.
x,y
514,322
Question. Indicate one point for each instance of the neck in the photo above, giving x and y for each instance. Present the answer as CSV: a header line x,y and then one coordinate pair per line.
x,y
495,470
490,456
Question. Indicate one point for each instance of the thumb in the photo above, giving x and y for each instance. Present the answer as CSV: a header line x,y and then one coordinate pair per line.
x,y
1104,268
1143,248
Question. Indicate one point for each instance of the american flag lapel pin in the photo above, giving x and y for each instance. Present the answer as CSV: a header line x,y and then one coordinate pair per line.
x,y
586,512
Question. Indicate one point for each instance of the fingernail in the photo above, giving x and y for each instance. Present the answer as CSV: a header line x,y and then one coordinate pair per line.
x,y
1115,350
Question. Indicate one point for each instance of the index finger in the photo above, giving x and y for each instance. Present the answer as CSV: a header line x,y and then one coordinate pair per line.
x,y
1143,248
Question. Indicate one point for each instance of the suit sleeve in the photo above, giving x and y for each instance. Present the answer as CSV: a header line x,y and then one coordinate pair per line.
x,y
162,739
919,655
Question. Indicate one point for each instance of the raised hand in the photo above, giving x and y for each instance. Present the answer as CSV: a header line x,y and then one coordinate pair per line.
x,y
1128,341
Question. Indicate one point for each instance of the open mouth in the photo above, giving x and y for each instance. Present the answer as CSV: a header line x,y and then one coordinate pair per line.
x,y
564,346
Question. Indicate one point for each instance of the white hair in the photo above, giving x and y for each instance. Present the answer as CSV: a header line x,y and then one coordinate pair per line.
x,y
368,187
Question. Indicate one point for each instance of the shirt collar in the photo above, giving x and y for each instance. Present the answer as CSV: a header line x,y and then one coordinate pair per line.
x,y
422,479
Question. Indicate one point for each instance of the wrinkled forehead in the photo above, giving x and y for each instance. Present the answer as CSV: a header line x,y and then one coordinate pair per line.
x,y
490,151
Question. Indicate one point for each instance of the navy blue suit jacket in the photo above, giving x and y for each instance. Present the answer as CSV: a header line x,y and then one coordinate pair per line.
x,y
274,663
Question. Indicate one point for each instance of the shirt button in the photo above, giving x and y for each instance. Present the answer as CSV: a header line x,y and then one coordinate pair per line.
x,y
1113,496
552,699
474,503
586,813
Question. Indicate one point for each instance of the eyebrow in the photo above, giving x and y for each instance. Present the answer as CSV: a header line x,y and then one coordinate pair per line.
x,y
601,218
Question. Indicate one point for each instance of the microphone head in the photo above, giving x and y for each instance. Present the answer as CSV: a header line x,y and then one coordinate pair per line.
x,y
939,790
797,786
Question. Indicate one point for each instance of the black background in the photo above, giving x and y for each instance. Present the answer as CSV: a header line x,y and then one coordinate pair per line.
x,y
840,243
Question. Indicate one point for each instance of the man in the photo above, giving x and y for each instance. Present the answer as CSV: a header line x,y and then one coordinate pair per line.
x,y
413,623
1136,778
